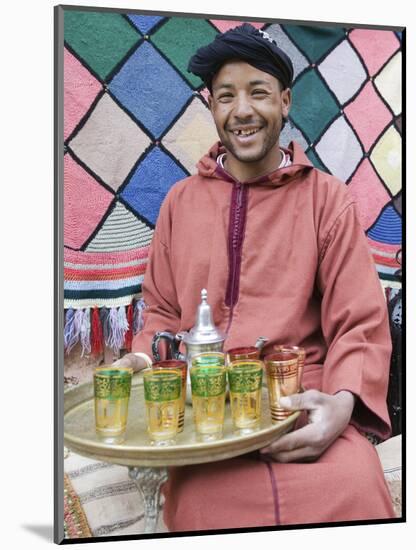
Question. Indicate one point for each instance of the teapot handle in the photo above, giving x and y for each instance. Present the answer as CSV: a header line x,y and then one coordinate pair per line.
x,y
173,344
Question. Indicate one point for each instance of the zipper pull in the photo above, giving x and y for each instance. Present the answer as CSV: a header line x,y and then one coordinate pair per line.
x,y
239,195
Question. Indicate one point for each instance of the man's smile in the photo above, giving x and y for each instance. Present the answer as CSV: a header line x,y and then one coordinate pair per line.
x,y
245,134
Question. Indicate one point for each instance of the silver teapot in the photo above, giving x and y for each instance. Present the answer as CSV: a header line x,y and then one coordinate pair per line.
x,y
203,337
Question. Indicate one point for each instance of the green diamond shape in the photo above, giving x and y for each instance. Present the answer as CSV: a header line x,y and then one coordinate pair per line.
x,y
179,39
101,39
313,106
314,41
315,160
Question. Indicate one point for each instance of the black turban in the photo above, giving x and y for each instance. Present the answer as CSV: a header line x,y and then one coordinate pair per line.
x,y
248,44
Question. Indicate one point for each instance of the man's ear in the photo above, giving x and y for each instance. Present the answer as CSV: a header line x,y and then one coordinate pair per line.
x,y
210,100
286,102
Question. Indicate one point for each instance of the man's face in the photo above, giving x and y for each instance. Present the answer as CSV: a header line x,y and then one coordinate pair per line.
x,y
248,107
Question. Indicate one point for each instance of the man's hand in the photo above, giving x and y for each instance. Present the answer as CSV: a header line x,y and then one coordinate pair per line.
x,y
328,416
137,361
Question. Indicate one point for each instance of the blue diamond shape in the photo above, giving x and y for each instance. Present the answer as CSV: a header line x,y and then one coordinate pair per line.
x,y
145,22
388,227
150,183
150,89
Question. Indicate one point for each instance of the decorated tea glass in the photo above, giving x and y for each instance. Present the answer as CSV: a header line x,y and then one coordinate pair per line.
x,y
162,395
243,353
282,380
112,386
182,366
245,381
208,384
301,358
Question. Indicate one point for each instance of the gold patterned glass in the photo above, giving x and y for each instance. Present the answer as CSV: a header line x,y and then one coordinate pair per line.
x,y
112,386
182,366
301,358
282,380
208,400
162,394
245,378
243,353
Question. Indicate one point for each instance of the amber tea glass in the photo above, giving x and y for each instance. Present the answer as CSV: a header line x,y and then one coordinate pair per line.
x,y
182,366
245,381
243,353
162,395
112,386
282,380
301,358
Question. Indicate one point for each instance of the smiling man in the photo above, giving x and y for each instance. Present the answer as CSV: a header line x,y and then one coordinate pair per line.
x,y
248,106
278,246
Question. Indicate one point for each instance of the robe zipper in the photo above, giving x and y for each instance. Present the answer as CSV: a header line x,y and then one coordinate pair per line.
x,y
236,235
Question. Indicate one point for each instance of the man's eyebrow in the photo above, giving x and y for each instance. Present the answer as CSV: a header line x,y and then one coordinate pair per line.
x,y
228,86
259,83
224,85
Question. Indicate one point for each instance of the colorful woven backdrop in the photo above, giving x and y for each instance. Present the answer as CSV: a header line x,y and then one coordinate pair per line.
x,y
136,122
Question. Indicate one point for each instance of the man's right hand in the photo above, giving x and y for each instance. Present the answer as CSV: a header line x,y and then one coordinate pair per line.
x,y
137,361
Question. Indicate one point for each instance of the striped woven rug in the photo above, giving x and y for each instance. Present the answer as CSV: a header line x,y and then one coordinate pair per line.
x,y
101,500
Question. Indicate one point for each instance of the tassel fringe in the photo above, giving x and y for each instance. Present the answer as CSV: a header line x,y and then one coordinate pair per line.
x,y
128,339
93,328
96,333
139,307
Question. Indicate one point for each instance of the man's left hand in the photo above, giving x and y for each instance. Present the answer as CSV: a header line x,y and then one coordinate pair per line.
x,y
328,416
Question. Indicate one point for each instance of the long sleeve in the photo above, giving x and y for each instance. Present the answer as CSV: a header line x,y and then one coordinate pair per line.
x,y
159,293
354,323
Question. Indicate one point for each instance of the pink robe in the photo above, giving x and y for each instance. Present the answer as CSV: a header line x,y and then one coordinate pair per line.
x,y
282,256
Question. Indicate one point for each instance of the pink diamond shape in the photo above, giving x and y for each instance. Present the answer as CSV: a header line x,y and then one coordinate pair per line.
x,y
205,94
227,25
85,203
375,47
368,127
80,90
369,193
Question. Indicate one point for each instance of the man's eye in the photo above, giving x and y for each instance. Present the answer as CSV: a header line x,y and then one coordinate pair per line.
x,y
259,92
225,97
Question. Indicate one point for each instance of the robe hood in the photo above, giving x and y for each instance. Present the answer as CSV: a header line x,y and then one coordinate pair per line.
x,y
209,168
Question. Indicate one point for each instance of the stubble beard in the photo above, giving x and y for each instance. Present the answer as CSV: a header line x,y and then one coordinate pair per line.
x,y
270,141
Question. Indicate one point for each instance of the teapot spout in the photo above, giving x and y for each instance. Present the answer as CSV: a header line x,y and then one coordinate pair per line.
x,y
261,342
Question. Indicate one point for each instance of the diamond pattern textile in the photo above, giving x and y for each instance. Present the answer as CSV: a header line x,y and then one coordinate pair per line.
x,y
150,89
109,142
136,122
313,105
100,39
343,60
179,38
150,183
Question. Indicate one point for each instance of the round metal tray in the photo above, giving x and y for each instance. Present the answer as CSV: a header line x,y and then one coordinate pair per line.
x,y
80,436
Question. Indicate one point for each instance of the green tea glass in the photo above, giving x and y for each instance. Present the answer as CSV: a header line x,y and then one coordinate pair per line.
x,y
245,381
162,394
112,386
208,385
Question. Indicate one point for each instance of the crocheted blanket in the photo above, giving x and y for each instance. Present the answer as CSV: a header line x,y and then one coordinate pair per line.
x,y
136,122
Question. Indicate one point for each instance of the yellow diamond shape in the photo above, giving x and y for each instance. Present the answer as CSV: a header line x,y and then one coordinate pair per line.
x,y
389,83
387,158
192,136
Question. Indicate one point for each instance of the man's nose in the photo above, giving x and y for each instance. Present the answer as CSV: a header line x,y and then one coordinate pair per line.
x,y
243,107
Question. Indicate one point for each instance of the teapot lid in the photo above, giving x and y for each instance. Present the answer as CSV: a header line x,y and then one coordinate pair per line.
x,y
204,331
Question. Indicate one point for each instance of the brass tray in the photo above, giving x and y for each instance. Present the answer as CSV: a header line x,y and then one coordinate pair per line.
x,y
80,436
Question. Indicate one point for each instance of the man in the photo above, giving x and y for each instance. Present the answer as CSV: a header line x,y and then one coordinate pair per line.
x,y
279,248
